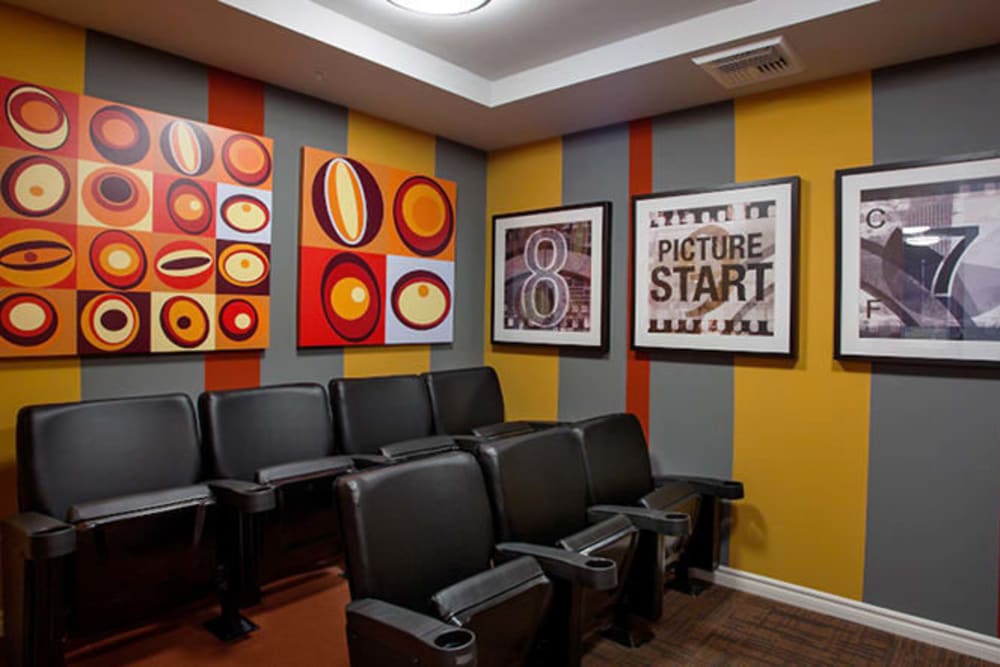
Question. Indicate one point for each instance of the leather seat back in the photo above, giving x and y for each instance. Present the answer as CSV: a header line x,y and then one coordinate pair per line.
x,y
464,398
415,528
75,453
377,411
616,459
537,484
246,430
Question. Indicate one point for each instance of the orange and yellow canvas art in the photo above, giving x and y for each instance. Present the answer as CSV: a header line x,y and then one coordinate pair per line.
x,y
377,254
125,231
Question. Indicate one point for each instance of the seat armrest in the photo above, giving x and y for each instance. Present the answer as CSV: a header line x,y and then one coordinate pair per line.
x,y
37,536
411,449
300,471
244,497
600,574
726,489
424,639
674,524
362,461
502,430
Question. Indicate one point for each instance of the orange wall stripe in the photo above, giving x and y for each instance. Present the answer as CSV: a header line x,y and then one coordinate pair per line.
x,y
36,49
520,179
800,432
383,142
237,103
640,181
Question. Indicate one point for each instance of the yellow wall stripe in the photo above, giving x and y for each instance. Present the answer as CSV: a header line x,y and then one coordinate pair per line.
x,y
518,179
801,431
49,53
385,143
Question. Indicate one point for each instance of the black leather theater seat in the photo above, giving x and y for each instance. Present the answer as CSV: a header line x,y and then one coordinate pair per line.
x,y
116,525
419,545
469,401
619,472
281,436
386,419
538,486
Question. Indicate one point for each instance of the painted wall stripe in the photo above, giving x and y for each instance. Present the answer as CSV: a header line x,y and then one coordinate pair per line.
x,y
133,74
36,49
595,168
520,179
640,181
237,103
801,429
691,416
386,143
467,167
934,455
294,120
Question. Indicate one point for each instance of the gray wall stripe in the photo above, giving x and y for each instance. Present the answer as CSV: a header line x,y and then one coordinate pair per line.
x,y
125,72
691,395
467,167
595,168
293,121
933,527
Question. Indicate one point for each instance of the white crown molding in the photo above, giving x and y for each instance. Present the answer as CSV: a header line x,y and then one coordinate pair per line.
x,y
949,637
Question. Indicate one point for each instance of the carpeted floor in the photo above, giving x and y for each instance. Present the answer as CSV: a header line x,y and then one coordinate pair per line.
x,y
302,624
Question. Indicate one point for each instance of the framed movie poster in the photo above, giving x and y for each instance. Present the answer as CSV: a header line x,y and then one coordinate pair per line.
x,y
714,269
918,260
550,276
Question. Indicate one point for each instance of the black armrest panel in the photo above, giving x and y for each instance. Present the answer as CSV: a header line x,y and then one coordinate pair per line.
x,y
727,489
410,449
362,461
675,524
139,504
490,587
503,430
427,640
38,536
244,497
300,471
597,573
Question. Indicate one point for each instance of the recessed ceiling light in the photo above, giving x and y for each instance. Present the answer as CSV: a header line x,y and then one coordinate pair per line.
x,y
440,6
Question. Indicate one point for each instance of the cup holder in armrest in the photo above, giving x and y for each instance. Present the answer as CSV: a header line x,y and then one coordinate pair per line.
x,y
600,563
453,640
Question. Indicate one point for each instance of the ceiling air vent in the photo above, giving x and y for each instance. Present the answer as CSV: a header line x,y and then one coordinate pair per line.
x,y
750,63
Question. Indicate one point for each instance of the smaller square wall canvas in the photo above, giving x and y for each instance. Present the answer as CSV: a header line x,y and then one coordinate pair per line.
x,y
376,254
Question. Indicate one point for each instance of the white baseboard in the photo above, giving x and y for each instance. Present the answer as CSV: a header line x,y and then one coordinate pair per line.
x,y
949,637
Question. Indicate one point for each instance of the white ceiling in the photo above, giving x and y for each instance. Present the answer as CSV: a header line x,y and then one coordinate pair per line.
x,y
508,36
528,69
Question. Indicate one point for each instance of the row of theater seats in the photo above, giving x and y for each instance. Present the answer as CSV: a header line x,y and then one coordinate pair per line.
x,y
132,507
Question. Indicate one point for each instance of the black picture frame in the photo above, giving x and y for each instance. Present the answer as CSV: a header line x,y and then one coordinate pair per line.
x,y
918,261
745,215
581,232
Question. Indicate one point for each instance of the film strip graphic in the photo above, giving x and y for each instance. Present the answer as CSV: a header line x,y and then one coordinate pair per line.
x,y
712,214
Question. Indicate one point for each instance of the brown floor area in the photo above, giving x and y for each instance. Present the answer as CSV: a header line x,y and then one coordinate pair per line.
x,y
302,624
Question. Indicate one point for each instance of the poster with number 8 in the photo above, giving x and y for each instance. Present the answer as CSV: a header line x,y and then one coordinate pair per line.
x,y
550,276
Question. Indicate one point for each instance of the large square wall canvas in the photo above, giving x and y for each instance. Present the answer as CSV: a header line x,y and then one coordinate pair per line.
x,y
125,231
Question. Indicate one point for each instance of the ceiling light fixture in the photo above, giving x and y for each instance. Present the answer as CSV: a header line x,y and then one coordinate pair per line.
x,y
440,7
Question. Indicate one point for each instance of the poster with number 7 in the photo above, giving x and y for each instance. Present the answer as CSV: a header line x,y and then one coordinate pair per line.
x,y
918,249
550,276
